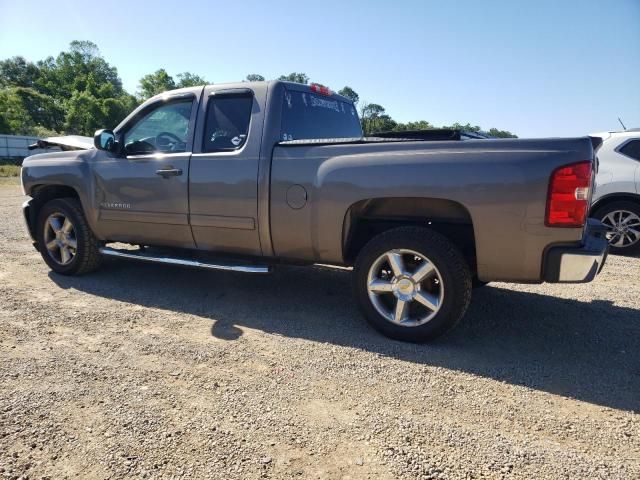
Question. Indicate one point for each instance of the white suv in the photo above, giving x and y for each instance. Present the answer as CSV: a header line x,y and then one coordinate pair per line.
x,y
616,201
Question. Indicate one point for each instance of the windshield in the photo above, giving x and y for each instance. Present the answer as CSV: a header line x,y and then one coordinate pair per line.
x,y
306,115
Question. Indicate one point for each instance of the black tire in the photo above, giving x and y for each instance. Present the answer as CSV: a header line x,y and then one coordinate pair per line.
x,y
622,205
449,262
87,257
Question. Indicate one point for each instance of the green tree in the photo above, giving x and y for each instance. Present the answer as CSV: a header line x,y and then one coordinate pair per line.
x,y
116,109
76,91
84,113
494,132
467,127
374,119
155,83
350,93
23,109
419,125
188,79
18,72
14,117
295,77
87,113
4,122
73,70
254,77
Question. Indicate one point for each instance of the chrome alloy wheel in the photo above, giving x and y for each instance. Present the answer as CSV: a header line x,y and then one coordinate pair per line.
x,y
405,287
624,228
60,238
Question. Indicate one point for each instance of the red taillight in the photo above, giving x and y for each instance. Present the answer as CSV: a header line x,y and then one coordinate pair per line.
x,y
568,198
321,89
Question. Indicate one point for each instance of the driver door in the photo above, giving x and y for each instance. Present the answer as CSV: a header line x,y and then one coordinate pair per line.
x,y
142,194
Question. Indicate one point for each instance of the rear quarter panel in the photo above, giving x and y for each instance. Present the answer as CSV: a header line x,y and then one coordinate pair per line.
x,y
502,184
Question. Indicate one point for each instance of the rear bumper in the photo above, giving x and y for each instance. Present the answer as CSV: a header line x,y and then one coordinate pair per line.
x,y
578,264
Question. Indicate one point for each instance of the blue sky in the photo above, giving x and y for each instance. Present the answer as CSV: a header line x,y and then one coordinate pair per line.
x,y
537,68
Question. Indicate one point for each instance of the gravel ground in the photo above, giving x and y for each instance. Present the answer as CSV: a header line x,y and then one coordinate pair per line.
x,y
156,372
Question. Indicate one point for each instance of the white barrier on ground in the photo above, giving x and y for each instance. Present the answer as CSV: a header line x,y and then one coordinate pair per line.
x,y
16,146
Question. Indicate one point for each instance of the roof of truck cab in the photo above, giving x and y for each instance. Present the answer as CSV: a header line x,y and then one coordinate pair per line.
x,y
195,90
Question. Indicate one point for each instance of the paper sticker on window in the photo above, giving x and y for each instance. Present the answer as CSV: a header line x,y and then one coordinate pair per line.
x,y
322,103
217,134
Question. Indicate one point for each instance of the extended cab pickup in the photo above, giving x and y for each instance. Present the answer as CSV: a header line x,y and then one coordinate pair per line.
x,y
245,176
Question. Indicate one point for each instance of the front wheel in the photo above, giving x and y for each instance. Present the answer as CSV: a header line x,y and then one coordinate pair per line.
x,y
412,284
65,240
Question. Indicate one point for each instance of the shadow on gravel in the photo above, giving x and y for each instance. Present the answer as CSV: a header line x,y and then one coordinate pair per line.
x,y
588,350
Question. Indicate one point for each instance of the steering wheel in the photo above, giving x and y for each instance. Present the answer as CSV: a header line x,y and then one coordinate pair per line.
x,y
170,136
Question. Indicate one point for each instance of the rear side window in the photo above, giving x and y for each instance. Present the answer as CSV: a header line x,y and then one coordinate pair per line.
x,y
227,123
306,115
631,149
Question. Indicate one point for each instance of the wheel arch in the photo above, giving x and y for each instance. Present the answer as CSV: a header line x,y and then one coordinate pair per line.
x,y
614,197
40,195
367,218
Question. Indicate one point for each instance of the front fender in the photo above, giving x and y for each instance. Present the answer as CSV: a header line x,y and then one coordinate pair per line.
x,y
53,175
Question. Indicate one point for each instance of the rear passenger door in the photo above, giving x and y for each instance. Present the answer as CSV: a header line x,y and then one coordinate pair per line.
x,y
223,174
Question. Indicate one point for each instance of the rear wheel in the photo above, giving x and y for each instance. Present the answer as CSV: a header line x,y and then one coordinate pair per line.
x,y
623,222
65,240
412,284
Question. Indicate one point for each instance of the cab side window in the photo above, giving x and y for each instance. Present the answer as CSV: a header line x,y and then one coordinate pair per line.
x,y
227,122
164,129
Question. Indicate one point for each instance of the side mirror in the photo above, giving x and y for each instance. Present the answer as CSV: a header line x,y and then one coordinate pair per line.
x,y
104,140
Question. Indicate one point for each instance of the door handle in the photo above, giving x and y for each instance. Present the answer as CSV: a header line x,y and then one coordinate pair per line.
x,y
169,172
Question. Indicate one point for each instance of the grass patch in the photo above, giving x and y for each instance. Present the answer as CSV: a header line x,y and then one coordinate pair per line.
x,y
9,181
9,171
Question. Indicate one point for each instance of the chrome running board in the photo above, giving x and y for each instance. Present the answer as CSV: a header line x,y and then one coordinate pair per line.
x,y
185,262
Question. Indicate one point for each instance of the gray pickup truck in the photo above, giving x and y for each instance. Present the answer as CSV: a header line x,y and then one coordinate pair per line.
x,y
246,176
